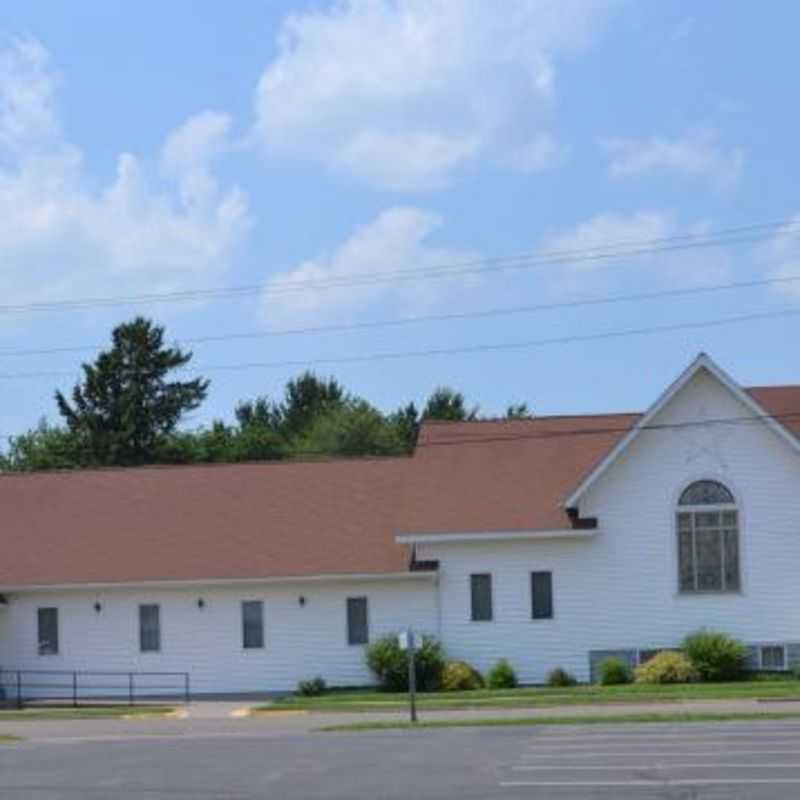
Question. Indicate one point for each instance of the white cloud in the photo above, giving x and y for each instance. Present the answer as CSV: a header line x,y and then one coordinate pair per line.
x,y
697,155
27,85
395,241
404,92
61,238
628,239
783,257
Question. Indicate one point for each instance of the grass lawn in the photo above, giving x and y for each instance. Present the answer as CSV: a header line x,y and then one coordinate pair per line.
x,y
82,712
7,738
593,719
541,696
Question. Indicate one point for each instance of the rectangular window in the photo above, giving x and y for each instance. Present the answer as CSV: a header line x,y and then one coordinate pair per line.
x,y
252,624
773,657
481,596
149,628
542,595
47,619
357,624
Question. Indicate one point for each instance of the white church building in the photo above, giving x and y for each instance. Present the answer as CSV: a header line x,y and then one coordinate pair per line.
x,y
552,541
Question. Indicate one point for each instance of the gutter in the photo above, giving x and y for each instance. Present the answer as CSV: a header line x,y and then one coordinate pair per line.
x,y
381,577
497,536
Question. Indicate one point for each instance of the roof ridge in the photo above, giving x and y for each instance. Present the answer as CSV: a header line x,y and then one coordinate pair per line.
x,y
265,462
536,418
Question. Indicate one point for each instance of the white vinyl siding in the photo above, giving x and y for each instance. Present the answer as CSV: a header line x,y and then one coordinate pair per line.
x,y
301,641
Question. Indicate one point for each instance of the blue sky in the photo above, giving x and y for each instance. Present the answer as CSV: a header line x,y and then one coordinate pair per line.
x,y
162,147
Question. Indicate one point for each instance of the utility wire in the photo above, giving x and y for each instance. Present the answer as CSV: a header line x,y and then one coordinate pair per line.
x,y
464,350
529,260
466,315
606,430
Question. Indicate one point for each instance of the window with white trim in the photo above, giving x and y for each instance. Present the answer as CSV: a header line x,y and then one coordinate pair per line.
x,y
252,624
357,621
47,629
772,656
481,597
708,539
149,628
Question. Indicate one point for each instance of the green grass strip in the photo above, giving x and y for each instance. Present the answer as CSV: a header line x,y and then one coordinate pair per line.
x,y
540,697
7,738
589,719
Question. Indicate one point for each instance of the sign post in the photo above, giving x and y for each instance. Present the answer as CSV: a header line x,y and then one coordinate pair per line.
x,y
406,641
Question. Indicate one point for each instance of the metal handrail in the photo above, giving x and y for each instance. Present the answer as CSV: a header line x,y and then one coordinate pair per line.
x,y
75,685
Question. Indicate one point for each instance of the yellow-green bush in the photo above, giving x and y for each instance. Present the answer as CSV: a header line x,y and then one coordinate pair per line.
x,y
666,667
458,676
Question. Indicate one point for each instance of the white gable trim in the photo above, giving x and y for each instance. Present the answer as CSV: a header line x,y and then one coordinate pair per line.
x,y
702,362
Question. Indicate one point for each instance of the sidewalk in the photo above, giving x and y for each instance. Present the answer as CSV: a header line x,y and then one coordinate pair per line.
x,y
224,719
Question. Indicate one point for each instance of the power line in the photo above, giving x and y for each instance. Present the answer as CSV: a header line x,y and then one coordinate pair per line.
x,y
466,315
564,433
464,350
529,260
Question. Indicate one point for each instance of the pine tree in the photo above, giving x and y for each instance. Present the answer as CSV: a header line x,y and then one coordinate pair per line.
x,y
126,405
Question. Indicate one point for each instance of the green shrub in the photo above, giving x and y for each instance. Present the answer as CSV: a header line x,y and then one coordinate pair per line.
x,y
501,675
716,656
389,663
458,676
560,677
312,688
666,667
614,671
796,672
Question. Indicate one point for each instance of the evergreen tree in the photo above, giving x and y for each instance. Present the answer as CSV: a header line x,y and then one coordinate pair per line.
x,y
447,404
127,405
518,411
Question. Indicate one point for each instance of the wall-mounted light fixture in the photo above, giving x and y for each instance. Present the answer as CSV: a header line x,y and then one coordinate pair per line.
x,y
301,600
3,601
201,603
98,607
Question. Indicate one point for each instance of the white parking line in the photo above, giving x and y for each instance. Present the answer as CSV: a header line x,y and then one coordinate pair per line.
x,y
661,752
655,782
792,735
623,746
659,765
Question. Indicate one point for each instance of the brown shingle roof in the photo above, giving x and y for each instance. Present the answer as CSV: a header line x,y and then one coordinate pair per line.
x,y
504,475
189,522
304,518
513,475
780,401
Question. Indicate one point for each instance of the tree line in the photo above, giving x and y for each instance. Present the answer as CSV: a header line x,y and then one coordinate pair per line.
x,y
129,404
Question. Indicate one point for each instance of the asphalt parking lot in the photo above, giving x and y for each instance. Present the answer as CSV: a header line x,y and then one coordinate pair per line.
x,y
247,761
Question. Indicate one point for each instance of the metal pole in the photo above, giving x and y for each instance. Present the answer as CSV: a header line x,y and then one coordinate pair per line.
x,y
19,689
74,689
412,678
130,688
188,692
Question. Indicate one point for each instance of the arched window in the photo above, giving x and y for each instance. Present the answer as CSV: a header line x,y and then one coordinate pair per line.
x,y
708,539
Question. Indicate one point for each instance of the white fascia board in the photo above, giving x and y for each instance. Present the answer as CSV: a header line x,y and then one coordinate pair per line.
x,y
222,582
702,361
496,536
